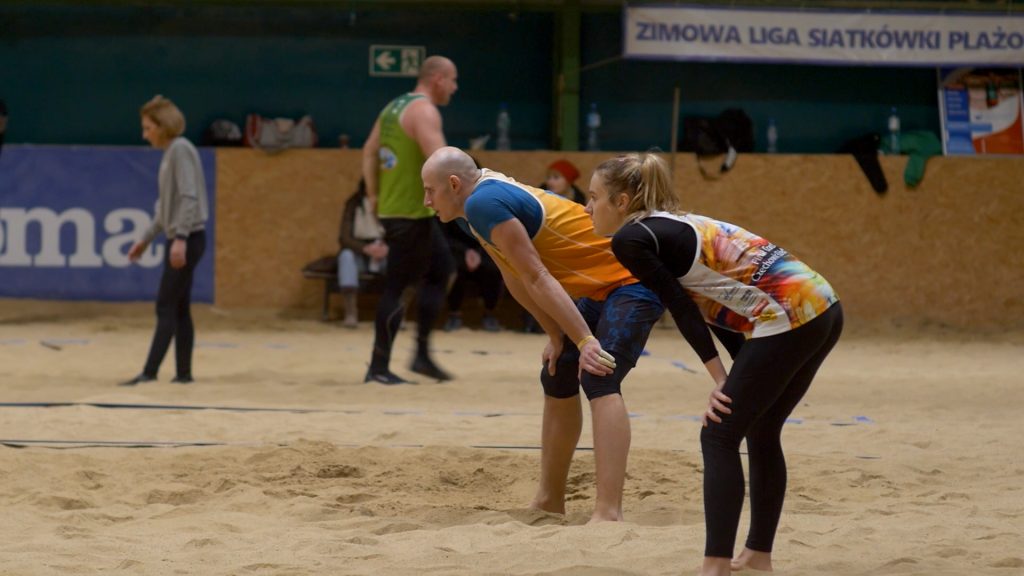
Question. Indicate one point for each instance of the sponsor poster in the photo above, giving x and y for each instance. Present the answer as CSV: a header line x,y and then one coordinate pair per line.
x,y
69,214
981,110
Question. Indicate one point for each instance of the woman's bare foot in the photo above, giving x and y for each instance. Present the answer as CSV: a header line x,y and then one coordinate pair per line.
x,y
753,560
714,566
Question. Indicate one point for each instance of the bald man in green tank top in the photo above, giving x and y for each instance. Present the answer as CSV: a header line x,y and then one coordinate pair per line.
x,y
406,132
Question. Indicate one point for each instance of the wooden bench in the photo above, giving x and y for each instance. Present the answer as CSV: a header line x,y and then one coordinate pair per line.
x,y
330,287
367,283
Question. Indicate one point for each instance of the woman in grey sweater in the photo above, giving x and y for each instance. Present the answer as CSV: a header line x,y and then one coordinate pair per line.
x,y
181,213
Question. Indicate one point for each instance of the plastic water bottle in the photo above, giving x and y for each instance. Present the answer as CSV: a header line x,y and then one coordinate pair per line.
x,y
504,124
593,123
894,132
772,136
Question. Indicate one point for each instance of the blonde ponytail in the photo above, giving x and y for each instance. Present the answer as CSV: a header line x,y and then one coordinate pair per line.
x,y
644,178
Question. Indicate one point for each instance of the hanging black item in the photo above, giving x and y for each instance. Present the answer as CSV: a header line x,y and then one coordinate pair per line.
x,y
864,149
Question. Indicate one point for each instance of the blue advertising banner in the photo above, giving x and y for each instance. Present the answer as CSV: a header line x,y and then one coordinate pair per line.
x,y
982,110
69,214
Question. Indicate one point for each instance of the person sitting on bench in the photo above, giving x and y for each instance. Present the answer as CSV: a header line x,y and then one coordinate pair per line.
x,y
362,250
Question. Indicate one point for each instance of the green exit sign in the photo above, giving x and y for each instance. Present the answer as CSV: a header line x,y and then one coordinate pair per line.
x,y
396,60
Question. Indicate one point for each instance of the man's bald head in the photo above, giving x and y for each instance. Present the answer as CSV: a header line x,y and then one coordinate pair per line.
x,y
433,66
449,177
451,161
438,79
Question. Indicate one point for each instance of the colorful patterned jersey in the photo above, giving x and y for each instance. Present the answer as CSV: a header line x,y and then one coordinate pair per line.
x,y
745,283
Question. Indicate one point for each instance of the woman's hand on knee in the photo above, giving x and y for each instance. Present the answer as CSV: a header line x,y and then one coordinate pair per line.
x,y
716,403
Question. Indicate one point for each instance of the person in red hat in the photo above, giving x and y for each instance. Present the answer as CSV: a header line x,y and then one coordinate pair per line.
x,y
561,180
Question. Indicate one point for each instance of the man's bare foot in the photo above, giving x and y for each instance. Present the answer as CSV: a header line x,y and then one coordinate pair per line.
x,y
548,505
603,517
752,560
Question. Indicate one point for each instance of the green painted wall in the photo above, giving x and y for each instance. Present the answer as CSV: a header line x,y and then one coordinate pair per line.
x,y
73,74
79,75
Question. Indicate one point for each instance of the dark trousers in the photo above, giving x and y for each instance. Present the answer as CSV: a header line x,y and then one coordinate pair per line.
x,y
174,310
768,378
487,276
418,253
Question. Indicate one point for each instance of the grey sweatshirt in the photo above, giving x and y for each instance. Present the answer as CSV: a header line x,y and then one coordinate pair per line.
x,y
182,207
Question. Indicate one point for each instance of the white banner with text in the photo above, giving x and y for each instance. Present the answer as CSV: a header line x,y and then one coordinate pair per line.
x,y
823,37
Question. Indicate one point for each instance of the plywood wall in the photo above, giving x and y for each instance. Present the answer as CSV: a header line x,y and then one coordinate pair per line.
x,y
275,213
945,253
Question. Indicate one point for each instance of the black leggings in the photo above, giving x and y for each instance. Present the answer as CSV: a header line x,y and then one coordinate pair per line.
x,y
174,310
768,378
417,252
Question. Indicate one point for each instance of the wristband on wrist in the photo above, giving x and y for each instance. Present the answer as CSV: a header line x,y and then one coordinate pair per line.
x,y
584,340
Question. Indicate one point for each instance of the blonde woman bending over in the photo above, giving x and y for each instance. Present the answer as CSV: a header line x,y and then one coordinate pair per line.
x,y
777,318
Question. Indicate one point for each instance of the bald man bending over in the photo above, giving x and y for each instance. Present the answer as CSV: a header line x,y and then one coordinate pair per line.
x,y
548,254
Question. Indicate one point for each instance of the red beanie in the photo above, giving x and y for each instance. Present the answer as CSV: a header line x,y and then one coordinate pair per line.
x,y
565,168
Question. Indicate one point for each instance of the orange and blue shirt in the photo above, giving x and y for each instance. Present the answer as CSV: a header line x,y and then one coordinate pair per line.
x,y
561,232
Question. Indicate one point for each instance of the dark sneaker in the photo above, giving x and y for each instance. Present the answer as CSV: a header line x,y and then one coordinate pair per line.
x,y
386,377
182,380
426,367
490,324
453,323
140,379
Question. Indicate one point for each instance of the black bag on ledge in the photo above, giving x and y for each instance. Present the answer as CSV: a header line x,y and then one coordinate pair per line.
x,y
729,133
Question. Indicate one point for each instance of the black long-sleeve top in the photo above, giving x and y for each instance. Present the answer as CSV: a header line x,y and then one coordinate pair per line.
x,y
659,251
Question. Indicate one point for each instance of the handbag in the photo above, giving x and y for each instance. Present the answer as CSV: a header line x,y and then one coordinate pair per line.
x,y
366,226
276,134
729,133
222,132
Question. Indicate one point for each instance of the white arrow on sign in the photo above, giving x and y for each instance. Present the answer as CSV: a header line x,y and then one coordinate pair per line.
x,y
385,60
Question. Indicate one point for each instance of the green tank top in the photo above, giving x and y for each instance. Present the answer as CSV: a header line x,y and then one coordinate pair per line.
x,y
400,184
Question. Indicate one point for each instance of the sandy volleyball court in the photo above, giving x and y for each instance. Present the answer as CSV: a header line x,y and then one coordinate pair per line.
x,y
905,457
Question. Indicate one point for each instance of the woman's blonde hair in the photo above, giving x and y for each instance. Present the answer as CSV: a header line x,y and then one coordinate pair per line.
x,y
644,178
164,114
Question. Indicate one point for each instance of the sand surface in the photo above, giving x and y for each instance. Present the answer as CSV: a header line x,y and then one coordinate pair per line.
x,y
905,458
